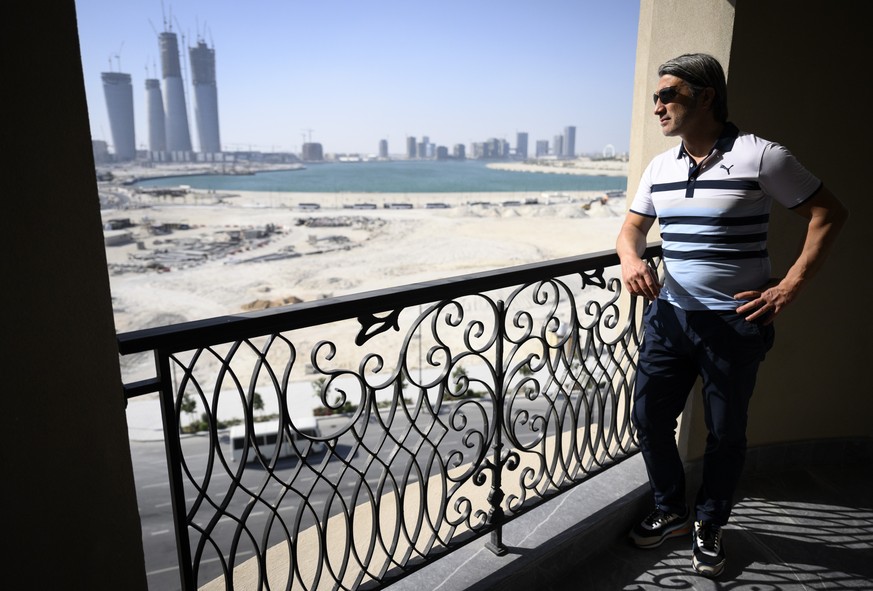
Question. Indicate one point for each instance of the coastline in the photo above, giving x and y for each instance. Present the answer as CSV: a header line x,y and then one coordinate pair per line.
x,y
134,173
579,166
207,172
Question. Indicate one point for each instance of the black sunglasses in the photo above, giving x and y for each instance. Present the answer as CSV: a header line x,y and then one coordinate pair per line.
x,y
665,95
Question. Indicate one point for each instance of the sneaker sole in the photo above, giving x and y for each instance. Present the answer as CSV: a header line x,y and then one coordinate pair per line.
x,y
707,570
641,542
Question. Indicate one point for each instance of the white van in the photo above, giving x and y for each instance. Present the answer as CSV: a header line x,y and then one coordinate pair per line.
x,y
266,437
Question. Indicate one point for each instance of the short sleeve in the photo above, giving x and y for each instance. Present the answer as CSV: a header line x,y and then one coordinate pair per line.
x,y
784,178
642,203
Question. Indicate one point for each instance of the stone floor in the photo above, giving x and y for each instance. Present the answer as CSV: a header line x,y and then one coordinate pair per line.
x,y
803,520
792,529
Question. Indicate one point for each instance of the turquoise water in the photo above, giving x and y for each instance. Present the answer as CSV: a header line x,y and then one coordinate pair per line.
x,y
469,176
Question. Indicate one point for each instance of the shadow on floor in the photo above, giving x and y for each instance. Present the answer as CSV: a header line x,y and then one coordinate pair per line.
x,y
791,529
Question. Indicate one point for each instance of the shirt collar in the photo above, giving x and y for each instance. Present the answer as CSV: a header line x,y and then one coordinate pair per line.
x,y
725,142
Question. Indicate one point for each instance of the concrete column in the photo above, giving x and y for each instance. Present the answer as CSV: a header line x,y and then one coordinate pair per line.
x,y
68,489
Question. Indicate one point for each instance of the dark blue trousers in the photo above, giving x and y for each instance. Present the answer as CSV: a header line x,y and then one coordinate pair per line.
x,y
723,349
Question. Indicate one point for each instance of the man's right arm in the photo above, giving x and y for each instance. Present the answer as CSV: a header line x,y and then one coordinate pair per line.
x,y
639,278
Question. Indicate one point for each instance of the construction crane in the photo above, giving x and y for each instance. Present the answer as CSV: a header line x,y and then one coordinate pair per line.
x,y
117,56
309,132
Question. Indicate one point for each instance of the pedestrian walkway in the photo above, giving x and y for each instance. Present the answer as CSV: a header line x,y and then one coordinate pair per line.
x,y
144,419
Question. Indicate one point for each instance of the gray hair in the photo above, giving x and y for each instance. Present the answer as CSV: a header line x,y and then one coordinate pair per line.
x,y
699,71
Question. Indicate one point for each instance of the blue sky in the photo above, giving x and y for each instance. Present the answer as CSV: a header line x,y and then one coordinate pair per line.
x,y
355,72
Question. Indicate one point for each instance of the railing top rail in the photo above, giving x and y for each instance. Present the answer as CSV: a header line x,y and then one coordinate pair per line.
x,y
221,329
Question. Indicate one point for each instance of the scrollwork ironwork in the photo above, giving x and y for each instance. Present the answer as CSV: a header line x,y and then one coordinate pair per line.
x,y
474,409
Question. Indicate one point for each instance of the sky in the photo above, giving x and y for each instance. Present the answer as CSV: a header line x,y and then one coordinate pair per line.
x,y
348,73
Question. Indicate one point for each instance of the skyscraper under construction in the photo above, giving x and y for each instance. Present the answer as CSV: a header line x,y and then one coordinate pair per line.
x,y
205,97
155,112
119,104
175,112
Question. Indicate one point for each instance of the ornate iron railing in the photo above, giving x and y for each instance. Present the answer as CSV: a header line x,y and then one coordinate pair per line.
x,y
447,409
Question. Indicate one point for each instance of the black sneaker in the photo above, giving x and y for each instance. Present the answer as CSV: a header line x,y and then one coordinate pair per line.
x,y
658,526
708,552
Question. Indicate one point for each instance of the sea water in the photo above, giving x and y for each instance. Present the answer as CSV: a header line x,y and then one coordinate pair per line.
x,y
399,176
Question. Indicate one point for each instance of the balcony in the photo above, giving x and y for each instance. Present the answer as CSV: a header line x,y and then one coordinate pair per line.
x,y
488,413
453,407
72,495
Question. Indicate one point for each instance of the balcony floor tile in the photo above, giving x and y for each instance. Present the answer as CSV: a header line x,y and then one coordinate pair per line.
x,y
792,529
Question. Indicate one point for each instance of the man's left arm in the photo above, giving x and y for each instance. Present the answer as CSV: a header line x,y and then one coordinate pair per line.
x,y
826,216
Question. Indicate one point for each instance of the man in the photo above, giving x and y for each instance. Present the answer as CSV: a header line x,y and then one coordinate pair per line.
x,y
713,315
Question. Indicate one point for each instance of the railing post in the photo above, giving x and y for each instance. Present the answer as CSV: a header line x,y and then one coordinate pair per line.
x,y
495,513
173,447
496,495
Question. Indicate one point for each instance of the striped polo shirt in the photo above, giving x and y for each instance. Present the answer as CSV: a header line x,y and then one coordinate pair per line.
x,y
714,216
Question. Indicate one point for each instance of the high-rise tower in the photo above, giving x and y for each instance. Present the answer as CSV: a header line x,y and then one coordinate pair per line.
x,y
155,112
521,145
175,112
119,103
205,97
569,142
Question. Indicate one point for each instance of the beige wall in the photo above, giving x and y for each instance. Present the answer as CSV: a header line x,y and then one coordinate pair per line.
x,y
796,78
669,28
68,491
793,77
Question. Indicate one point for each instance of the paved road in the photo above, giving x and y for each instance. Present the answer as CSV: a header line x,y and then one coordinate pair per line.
x,y
150,471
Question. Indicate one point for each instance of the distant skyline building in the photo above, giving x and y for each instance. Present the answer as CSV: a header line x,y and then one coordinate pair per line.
x,y
155,119
205,97
119,104
558,146
542,148
425,149
312,152
383,148
521,145
410,147
459,152
175,111
101,151
569,148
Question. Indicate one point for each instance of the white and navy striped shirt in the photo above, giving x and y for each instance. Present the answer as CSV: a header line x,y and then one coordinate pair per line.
x,y
714,216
